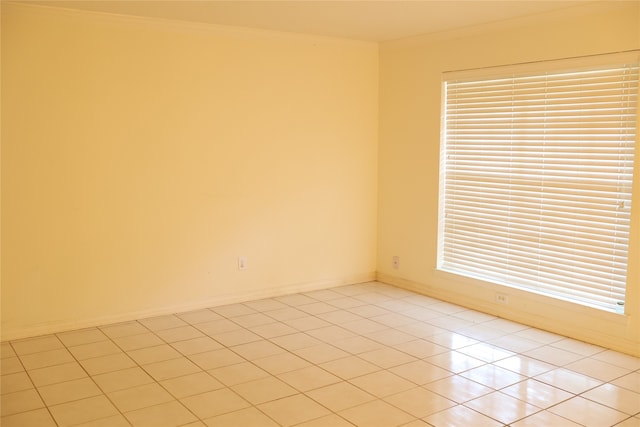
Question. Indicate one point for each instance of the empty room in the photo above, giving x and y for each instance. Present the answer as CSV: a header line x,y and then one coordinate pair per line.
x,y
320,213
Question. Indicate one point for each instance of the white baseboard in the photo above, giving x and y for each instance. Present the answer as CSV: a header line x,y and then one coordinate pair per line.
x,y
555,319
231,298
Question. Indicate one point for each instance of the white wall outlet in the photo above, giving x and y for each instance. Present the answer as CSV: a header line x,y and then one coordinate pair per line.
x,y
502,298
242,263
395,262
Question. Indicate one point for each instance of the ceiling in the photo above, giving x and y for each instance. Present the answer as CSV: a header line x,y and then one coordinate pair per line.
x,y
376,20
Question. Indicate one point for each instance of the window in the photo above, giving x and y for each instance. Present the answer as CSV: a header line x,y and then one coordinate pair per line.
x,y
536,173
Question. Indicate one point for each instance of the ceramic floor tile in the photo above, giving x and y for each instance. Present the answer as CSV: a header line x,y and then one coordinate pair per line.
x,y
452,340
213,403
138,341
96,349
295,299
253,319
525,365
340,396
309,378
536,393
191,384
568,380
264,390
196,345
493,376
376,413
321,353
307,323
233,310
273,330
587,412
82,411
630,382
180,333
514,343
286,314
171,368
20,401
119,380
618,359
170,414
454,361
555,356
139,397
363,326
461,416
15,382
257,349
112,421
629,422
486,352
68,391
332,420
162,322
295,341
358,345
545,418
331,334
109,363
390,337
317,308
423,330
578,347
198,316
158,353
350,367
597,369
615,397
339,317
540,336
57,374
323,294
216,359
264,305
119,330
420,372
243,417
83,336
368,354
6,350
458,389
293,410
419,402
387,357
36,345
346,302
382,383
215,327
237,337
281,363
37,418
421,348
502,407
238,373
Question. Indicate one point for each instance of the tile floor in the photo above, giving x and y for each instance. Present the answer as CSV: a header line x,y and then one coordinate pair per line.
x,y
364,355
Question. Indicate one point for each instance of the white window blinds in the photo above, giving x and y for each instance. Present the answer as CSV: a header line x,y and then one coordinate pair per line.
x,y
536,174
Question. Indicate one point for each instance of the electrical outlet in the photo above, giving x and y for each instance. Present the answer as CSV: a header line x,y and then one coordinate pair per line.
x,y
242,263
395,262
502,298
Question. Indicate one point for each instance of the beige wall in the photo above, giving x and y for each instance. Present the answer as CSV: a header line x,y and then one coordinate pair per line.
x,y
410,81
140,158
